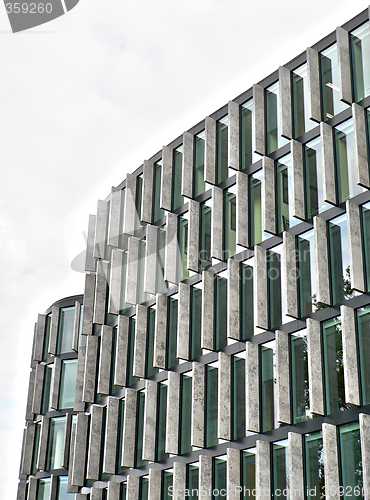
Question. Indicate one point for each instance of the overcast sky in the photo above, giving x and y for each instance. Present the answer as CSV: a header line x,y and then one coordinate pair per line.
x,y
84,100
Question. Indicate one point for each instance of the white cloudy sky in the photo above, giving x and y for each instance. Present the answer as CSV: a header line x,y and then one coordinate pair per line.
x,y
85,99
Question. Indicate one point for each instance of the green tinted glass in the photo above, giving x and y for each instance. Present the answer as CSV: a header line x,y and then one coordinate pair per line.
x,y
238,397
330,83
246,302
314,178
43,489
199,146
220,313
363,328
365,212
314,466
360,58
339,259
177,199
158,212
284,193
65,329
222,149
67,384
45,407
248,475
307,273
229,233
299,376
172,332
351,461
46,337
280,470
54,459
205,235
267,381
219,475
211,410
167,482
193,481
185,412
161,422
149,360
140,429
183,227
195,322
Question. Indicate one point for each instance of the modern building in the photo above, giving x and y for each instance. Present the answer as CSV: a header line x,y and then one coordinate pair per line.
x,y
223,340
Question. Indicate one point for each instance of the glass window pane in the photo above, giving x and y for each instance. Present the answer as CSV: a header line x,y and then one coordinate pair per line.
x,y
246,301
276,285
238,397
314,178
195,322
339,259
211,409
62,489
249,473
307,273
365,211
220,312
333,366
284,193
329,72
363,328
193,481
350,460
177,199
267,377
144,488
167,481
280,469
140,429
205,235
222,149
46,337
314,466
158,212
119,469
274,140
360,55
139,200
65,329
219,476
256,232
301,113
299,376
35,450
161,284
67,384
150,370
247,155
229,223
55,443
43,489
345,161
45,407
172,332
161,422
185,412
199,145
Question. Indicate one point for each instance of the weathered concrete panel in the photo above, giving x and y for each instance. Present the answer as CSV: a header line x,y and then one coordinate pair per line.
x,y
115,284
233,474
148,190
198,401
350,356
133,487
111,432
356,262
217,223
101,293
173,413
233,299
31,389
259,119
260,287
67,440
314,94
252,387
263,467
298,184
132,270
183,322
187,165
79,404
114,491
285,90
328,165
76,326
224,396
160,332
207,333
210,151
131,217
55,383
38,389
179,480
315,375
27,451
155,484
282,378
101,229
205,476
129,429
193,236
38,341
321,261
114,218
44,434
90,262
296,474
141,327
105,360
233,135
331,463
90,369
96,427
150,421
53,338
172,248
361,149
345,84
268,195
121,352
151,259
166,179
290,274
88,310
242,209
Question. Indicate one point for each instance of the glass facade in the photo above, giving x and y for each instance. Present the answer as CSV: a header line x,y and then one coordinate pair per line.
x,y
284,193
55,443
300,99
365,222
211,406
267,381
67,384
205,234
360,55
333,366
185,413
330,93
149,360
274,139
280,469
315,203
299,376
43,489
247,155
351,462
45,406
229,229
219,476
363,330
314,466
161,421
183,228
256,232
345,161
238,397
246,300
339,259
158,212
195,321
220,313
65,329
248,475
172,317
307,273
192,481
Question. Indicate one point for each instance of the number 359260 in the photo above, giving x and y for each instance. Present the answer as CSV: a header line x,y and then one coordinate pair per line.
x,y
25,8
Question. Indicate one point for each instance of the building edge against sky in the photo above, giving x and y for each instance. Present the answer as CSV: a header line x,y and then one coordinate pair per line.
x,y
224,335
